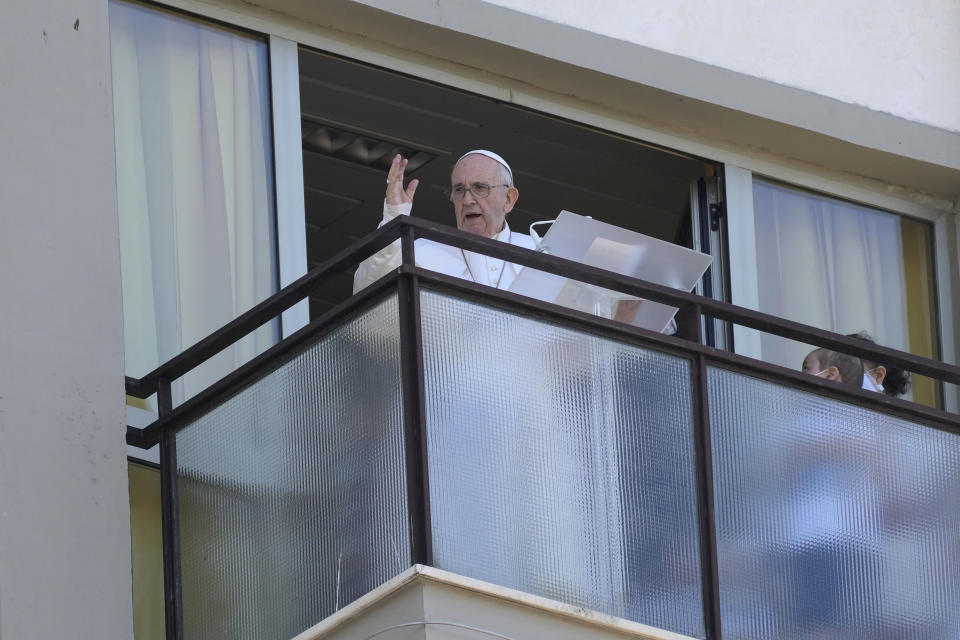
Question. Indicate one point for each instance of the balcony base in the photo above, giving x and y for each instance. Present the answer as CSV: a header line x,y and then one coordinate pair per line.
x,y
424,602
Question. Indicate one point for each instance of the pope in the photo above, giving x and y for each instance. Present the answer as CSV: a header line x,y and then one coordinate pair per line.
x,y
482,191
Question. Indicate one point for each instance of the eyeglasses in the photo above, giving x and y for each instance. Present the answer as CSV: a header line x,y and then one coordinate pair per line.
x,y
478,189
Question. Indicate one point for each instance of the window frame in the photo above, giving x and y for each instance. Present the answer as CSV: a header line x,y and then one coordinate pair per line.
x,y
741,224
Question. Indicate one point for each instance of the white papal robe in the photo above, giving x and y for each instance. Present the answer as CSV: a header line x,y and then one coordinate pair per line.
x,y
442,258
520,472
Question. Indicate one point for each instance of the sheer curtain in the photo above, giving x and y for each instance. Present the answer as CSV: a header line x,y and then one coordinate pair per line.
x,y
195,186
830,264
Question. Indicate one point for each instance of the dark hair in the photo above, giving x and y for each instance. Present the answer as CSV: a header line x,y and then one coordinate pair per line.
x,y
897,381
850,367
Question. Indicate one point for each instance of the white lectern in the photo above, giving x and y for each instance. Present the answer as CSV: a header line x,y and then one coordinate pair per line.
x,y
609,247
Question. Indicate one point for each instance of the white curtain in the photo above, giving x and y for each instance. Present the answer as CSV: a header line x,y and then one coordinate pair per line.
x,y
195,186
830,264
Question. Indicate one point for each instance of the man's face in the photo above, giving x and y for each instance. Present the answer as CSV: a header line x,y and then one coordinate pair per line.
x,y
485,216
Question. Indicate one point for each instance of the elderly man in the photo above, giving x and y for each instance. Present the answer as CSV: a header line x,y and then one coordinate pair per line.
x,y
483,194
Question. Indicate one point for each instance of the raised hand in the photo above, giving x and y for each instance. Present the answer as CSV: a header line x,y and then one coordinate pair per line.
x,y
396,194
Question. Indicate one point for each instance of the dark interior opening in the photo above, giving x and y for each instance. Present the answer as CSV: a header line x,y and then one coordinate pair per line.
x,y
355,117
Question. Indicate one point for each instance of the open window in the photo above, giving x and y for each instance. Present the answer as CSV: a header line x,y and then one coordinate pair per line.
x,y
355,117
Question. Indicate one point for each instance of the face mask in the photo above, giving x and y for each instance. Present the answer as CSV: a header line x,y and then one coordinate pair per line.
x,y
869,383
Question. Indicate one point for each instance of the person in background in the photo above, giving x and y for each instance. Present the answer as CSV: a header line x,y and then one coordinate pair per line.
x,y
835,366
892,381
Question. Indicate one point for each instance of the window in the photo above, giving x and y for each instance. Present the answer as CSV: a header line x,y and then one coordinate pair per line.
x,y
195,186
355,117
847,268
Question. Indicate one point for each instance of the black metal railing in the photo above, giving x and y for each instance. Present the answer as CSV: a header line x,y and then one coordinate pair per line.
x,y
407,280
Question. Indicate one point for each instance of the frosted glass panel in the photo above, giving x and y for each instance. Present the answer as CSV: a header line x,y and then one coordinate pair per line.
x,y
833,521
292,492
561,464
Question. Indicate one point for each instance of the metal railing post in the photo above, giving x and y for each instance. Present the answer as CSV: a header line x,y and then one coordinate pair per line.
x,y
689,323
170,519
414,407
706,515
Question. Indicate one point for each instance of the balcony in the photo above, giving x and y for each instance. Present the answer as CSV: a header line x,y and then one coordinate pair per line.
x,y
515,445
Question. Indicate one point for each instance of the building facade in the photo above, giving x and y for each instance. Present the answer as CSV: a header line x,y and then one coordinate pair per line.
x,y
791,117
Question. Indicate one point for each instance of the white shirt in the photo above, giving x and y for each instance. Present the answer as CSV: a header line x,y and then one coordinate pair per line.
x,y
442,258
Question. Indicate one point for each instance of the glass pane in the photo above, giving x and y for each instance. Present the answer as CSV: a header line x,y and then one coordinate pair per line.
x,y
292,492
846,268
833,521
194,187
561,464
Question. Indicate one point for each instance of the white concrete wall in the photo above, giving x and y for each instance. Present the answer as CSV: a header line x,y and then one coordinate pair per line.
x,y
64,515
901,58
866,74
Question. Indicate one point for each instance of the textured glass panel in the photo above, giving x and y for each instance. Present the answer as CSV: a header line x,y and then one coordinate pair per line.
x,y
833,521
561,464
292,492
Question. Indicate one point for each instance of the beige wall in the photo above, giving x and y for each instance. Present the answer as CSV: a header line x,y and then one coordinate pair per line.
x,y
64,517
146,537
